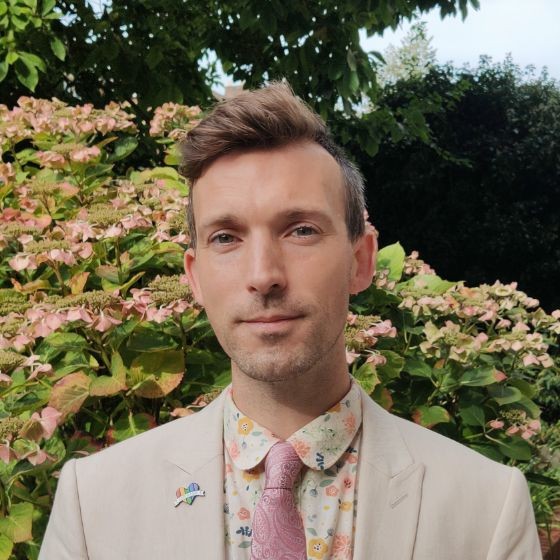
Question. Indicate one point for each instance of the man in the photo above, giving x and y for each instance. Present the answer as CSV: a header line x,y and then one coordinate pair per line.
x,y
293,460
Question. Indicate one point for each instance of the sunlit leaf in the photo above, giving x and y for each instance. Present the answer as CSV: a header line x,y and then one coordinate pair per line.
x,y
155,374
70,392
392,258
429,416
131,425
58,48
6,547
17,525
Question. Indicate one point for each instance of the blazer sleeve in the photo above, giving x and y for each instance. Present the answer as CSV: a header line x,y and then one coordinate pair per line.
x,y
515,537
64,538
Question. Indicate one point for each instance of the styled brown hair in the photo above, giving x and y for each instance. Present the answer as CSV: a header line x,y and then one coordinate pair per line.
x,y
266,118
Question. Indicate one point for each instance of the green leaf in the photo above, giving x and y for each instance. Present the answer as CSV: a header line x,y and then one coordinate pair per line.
x,y
527,389
140,260
367,377
473,415
147,338
123,148
154,57
27,75
326,482
148,175
125,287
517,449
478,377
430,283
108,286
529,407
17,526
200,356
121,332
68,394
418,368
11,57
58,48
393,366
4,66
92,171
48,6
173,155
334,71
489,451
504,394
392,258
429,416
382,396
32,60
542,479
6,547
351,60
155,374
66,341
108,385
354,83
169,247
109,272
131,425
19,23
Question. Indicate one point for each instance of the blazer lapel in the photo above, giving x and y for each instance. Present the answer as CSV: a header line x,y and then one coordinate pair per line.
x,y
389,489
197,530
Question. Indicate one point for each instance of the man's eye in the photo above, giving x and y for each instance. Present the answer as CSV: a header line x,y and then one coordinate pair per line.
x,y
222,239
304,231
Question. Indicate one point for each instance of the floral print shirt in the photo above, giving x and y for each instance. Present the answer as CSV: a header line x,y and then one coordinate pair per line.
x,y
325,492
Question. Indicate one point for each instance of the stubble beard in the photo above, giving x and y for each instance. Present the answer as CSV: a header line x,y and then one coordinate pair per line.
x,y
279,361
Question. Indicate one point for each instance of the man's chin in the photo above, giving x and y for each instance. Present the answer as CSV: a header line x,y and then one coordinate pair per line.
x,y
273,368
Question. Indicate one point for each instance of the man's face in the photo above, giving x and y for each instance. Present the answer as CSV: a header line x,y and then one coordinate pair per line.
x,y
274,265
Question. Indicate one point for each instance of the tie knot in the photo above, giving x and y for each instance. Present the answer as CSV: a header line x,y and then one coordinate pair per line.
x,y
282,466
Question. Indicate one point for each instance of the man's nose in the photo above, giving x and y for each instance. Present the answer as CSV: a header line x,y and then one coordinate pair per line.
x,y
266,271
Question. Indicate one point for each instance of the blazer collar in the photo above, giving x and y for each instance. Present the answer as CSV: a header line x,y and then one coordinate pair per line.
x,y
201,437
389,489
196,455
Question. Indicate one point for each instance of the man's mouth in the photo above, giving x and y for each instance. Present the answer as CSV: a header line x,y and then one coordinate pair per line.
x,y
271,318
271,324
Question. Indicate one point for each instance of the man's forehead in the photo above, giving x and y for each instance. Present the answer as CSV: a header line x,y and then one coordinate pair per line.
x,y
305,172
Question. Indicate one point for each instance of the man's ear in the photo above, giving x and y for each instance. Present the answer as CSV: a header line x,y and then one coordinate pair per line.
x,y
364,258
192,275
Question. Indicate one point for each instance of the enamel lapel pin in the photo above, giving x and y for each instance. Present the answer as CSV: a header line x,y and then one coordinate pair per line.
x,y
188,493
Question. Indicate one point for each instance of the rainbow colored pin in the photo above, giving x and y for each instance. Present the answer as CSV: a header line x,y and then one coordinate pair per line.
x,y
188,493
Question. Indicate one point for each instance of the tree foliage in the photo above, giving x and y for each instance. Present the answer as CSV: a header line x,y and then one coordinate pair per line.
x,y
480,199
157,50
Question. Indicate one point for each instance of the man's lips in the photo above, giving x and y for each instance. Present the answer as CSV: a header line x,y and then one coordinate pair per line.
x,y
271,318
268,325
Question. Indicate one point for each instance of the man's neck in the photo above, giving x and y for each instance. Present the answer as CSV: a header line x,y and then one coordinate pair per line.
x,y
284,407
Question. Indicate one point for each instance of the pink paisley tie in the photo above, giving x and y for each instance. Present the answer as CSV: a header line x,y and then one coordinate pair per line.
x,y
277,527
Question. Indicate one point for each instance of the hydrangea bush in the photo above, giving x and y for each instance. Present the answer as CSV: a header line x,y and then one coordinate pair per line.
x,y
100,338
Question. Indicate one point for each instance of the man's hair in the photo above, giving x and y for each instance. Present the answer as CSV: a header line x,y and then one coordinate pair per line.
x,y
266,118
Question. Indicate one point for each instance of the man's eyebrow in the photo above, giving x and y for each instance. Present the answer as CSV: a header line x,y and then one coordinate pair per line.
x,y
296,214
222,221
230,221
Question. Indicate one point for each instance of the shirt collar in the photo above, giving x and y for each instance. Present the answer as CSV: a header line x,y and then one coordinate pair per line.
x,y
319,444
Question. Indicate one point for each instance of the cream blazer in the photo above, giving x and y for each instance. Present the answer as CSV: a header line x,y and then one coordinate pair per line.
x,y
421,496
